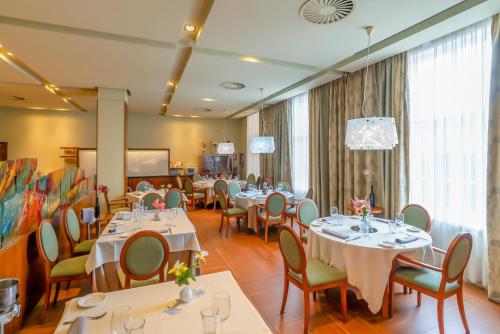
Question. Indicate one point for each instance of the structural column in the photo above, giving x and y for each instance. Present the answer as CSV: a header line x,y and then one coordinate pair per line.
x,y
112,139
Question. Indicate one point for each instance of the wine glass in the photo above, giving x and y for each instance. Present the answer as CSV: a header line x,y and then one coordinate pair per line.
x,y
400,219
334,213
118,319
209,320
222,303
135,325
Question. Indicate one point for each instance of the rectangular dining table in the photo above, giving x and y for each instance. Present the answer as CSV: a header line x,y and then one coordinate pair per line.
x,y
163,313
103,260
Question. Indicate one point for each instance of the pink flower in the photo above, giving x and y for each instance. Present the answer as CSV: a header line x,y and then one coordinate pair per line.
x,y
159,205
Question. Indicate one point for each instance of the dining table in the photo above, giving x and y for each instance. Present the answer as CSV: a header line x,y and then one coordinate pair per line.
x,y
136,196
104,257
158,304
366,258
207,186
249,200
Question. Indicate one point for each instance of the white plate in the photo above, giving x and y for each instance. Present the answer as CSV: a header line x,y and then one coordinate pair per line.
x,y
316,224
387,244
92,300
126,235
117,222
412,229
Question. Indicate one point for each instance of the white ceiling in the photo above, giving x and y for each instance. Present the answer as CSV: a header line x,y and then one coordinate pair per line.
x,y
127,44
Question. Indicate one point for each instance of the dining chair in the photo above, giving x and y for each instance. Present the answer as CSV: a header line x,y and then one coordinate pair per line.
x,y
56,271
439,283
149,198
227,212
417,216
250,181
307,212
282,186
309,275
179,183
191,192
73,233
118,205
143,260
273,211
142,186
233,190
197,177
219,184
309,193
173,198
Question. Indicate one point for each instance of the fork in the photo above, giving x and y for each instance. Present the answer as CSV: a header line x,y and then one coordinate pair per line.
x,y
95,317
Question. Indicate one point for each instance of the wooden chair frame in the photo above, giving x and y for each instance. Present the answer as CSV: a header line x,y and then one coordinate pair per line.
x,y
267,221
441,295
215,193
304,285
193,199
302,227
173,190
72,242
122,201
225,214
161,269
143,181
155,195
428,217
250,177
47,267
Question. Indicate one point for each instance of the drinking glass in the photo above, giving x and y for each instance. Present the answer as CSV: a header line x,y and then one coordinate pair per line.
x,y
392,227
118,319
209,320
222,304
334,212
400,219
135,325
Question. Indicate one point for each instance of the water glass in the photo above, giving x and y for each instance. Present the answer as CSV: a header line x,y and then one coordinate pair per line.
x,y
400,219
135,326
222,303
209,320
393,228
118,319
334,212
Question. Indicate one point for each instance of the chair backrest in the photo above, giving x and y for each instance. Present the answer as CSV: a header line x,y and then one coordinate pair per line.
x,y
144,255
251,179
188,185
234,189
417,216
220,184
72,226
142,186
307,212
457,257
292,250
282,186
148,200
173,198
309,193
197,177
258,183
179,182
222,197
275,204
47,244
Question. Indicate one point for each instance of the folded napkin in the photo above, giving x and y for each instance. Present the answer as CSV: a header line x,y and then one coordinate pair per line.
x,y
406,239
79,326
88,215
336,233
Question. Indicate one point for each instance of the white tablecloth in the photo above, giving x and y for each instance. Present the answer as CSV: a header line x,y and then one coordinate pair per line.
x,y
367,264
208,187
151,302
249,201
136,196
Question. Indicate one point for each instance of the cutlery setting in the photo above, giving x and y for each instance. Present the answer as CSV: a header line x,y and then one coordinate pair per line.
x,y
95,317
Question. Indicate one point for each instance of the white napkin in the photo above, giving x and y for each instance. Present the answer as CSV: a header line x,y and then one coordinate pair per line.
x,y
337,233
88,215
79,326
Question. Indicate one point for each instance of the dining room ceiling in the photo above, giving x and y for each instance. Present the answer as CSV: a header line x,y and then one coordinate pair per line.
x,y
142,47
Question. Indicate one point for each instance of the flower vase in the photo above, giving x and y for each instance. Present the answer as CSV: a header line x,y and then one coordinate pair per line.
x,y
186,294
157,216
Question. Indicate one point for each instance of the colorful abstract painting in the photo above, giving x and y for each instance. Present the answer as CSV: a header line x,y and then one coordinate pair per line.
x,y
25,168
14,220
7,178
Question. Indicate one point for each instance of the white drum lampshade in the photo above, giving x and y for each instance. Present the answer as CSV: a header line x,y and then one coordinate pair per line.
x,y
262,145
371,133
225,148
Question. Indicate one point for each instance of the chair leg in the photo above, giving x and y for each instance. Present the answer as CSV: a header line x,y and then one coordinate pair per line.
x,y
265,232
221,222
419,298
343,302
48,288
314,296
58,287
390,297
238,222
67,285
410,290
307,310
405,289
285,295
460,302
440,307
227,227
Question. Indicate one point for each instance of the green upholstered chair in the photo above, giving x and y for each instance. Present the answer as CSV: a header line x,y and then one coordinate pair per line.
x,y
197,177
439,283
72,231
259,182
233,190
227,212
118,205
307,212
309,193
192,194
142,186
417,216
250,181
180,184
308,275
148,199
56,271
143,259
273,212
282,186
173,199
219,184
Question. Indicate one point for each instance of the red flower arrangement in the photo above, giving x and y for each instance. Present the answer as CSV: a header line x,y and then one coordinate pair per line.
x,y
101,189
159,205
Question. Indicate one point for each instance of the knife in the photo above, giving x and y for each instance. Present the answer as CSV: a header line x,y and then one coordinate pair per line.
x,y
352,238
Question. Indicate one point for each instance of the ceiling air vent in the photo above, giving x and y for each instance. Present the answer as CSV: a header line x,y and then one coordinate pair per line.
x,y
325,11
232,85
202,109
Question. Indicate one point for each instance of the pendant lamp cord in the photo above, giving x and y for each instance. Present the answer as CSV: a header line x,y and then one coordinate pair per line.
x,y
262,111
369,31
224,127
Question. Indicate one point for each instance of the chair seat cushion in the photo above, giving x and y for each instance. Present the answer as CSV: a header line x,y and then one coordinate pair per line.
x,y
235,211
262,216
423,277
84,247
74,266
136,284
291,211
319,273
122,209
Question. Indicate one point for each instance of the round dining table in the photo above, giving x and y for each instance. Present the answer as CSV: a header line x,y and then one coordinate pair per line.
x,y
366,258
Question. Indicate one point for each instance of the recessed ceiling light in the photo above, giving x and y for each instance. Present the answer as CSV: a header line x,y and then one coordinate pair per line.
x,y
164,104
177,116
251,60
189,27
61,109
171,84
194,116
36,108
208,99
10,54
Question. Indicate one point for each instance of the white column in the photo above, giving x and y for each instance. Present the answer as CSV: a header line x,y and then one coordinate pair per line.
x,y
111,139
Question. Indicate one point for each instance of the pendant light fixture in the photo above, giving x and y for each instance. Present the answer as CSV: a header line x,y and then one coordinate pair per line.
x,y
262,144
225,147
370,133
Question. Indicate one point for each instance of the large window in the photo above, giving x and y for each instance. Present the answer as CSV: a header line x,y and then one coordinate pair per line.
x,y
299,143
253,162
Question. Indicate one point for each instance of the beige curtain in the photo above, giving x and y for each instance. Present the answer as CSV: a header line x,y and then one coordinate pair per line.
x,y
337,173
275,123
493,179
